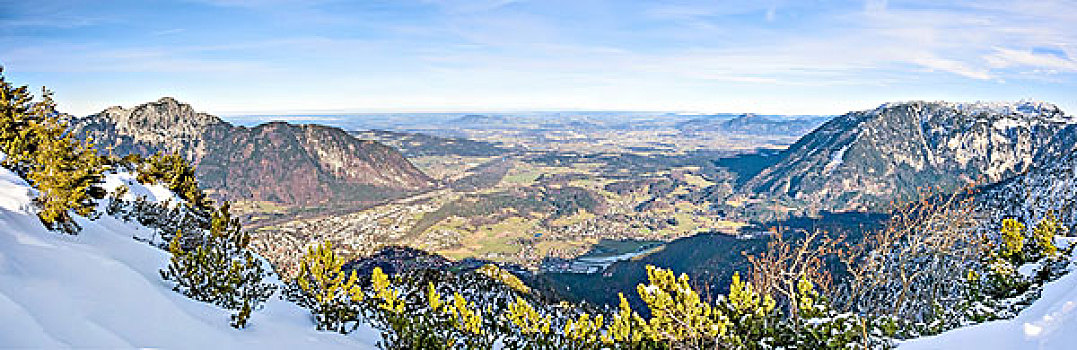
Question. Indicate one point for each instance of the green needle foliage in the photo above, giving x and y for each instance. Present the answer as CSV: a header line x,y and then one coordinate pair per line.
x,y
174,172
66,171
330,294
221,269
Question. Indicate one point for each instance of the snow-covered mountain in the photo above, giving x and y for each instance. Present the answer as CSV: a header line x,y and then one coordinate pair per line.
x,y
102,289
869,158
1048,188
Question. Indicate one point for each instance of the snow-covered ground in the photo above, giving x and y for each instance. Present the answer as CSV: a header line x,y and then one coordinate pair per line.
x,y
101,289
1049,323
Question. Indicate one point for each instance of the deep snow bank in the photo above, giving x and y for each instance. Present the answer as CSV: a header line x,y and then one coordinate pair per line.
x,y
102,289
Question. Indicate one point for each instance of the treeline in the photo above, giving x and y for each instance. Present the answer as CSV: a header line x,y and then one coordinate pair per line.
x,y
432,309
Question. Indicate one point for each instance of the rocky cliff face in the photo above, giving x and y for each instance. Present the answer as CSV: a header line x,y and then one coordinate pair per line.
x,y
279,162
863,160
1048,188
164,125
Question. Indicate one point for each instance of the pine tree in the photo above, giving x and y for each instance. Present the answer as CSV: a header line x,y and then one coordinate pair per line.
x,y
1013,240
175,173
329,293
18,112
66,171
219,268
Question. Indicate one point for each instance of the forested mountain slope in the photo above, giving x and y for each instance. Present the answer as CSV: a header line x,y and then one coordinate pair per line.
x,y
279,162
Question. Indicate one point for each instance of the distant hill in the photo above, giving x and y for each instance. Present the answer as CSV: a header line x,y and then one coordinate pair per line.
x,y
752,124
480,120
865,159
419,145
279,162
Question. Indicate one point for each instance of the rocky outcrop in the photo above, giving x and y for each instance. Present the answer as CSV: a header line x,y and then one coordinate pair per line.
x,y
1047,189
164,125
866,159
279,162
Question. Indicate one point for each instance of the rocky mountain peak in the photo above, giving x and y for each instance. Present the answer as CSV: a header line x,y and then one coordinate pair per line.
x,y
163,125
280,162
1023,109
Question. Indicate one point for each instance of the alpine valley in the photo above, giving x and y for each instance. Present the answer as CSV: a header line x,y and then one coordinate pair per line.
x,y
914,224
533,193
538,175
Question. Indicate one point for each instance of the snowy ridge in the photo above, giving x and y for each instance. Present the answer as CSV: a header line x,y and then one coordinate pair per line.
x,y
101,289
1023,109
895,148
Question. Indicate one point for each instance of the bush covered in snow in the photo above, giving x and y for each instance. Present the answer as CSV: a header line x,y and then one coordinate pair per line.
x,y
220,269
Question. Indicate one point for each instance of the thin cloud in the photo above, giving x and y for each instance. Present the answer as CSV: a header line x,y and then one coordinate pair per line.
x,y
505,52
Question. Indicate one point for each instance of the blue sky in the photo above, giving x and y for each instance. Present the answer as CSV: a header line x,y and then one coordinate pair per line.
x,y
788,57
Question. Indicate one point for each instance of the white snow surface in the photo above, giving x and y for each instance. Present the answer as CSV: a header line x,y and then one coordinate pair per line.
x,y
836,159
1049,323
102,289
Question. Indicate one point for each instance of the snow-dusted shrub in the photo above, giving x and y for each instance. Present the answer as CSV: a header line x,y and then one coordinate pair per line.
x,y
910,269
220,269
175,173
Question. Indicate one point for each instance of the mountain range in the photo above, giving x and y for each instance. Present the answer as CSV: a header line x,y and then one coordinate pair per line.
x,y
863,160
278,162
752,124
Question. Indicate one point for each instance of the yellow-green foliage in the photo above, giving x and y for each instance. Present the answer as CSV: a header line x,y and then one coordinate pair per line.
x,y
677,312
67,173
585,328
328,292
1044,236
807,299
465,315
526,318
1013,239
389,297
64,170
175,173
752,316
433,299
494,272
626,325
679,320
744,300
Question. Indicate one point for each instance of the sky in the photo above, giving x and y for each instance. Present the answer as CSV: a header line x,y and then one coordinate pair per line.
x,y
324,56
